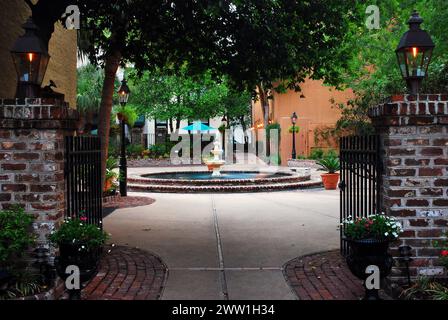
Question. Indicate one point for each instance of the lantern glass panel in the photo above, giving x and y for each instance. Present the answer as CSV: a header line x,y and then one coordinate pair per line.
x,y
123,97
30,67
414,57
401,55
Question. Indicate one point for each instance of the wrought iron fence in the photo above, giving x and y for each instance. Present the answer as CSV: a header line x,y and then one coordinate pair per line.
x,y
83,178
360,179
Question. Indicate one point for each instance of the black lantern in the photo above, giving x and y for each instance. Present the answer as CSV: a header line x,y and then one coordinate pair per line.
x,y
414,53
31,58
123,92
294,118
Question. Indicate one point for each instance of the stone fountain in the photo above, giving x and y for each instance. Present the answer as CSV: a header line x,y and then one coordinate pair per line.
x,y
216,163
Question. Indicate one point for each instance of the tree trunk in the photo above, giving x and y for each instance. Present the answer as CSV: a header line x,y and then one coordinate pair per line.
x,y
110,70
178,120
171,124
264,102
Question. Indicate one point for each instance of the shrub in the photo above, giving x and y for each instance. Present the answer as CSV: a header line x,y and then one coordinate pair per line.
x,y
332,154
316,154
15,234
134,150
443,246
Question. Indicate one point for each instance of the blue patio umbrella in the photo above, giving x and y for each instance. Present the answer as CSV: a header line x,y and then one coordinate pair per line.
x,y
198,126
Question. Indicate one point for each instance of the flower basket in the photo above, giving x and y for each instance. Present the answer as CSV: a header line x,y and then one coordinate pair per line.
x,y
80,244
368,239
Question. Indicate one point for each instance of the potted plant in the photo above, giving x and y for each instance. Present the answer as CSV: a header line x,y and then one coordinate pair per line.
x,y
80,244
111,175
368,239
331,178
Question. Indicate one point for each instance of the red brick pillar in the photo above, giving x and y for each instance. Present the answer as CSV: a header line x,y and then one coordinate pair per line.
x,y
32,158
414,135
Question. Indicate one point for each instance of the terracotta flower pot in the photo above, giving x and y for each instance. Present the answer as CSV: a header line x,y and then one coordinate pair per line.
x,y
108,184
330,180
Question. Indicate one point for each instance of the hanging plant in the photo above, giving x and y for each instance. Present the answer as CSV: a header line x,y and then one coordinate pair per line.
x,y
294,129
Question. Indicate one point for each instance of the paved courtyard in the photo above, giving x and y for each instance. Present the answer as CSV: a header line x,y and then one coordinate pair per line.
x,y
229,246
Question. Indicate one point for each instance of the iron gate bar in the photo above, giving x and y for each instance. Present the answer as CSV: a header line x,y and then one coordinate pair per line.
x,y
361,172
83,178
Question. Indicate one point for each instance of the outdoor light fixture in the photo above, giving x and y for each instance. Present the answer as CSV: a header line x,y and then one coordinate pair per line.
x,y
414,53
31,58
224,120
405,252
123,92
123,95
293,121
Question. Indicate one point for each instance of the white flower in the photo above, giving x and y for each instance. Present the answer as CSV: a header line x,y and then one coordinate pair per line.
x,y
395,234
386,233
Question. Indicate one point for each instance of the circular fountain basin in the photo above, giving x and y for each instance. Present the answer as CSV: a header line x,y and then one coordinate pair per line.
x,y
229,181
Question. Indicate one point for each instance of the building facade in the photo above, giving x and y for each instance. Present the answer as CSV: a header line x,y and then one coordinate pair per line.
x,y
314,108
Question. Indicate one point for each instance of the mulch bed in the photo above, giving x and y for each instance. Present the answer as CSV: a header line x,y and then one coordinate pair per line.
x,y
117,202
128,202
324,276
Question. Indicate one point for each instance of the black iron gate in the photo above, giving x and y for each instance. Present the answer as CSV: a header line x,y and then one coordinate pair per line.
x,y
360,179
83,178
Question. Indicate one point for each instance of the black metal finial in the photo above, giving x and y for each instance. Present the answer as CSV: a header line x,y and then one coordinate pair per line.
x,y
415,21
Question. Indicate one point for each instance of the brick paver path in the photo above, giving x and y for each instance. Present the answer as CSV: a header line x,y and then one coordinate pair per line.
x,y
127,273
323,276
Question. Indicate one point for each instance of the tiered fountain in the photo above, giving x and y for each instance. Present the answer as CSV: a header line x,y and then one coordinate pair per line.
x,y
216,163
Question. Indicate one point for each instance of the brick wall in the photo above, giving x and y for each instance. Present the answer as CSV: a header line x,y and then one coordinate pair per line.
x,y
414,135
32,158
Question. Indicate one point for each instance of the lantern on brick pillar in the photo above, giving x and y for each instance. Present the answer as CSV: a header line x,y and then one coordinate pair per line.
x,y
414,53
31,58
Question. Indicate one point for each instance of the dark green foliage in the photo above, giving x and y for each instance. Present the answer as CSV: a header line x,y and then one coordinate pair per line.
x,y
134,150
316,154
15,234
80,233
378,226
329,164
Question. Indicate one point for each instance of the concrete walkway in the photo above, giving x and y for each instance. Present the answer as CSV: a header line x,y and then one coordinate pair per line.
x,y
229,246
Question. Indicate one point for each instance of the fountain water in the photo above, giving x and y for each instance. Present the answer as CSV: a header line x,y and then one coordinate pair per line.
x,y
216,163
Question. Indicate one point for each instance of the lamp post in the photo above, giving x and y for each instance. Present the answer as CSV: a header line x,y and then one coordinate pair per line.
x,y
30,57
293,121
223,134
123,94
414,53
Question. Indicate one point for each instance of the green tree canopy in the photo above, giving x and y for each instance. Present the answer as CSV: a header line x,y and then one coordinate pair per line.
x,y
373,71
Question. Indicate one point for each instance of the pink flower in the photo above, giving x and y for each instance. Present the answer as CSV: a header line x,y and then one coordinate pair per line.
x,y
83,218
444,253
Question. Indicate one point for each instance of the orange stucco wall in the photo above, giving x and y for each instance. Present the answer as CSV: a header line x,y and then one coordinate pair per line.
x,y
314,111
